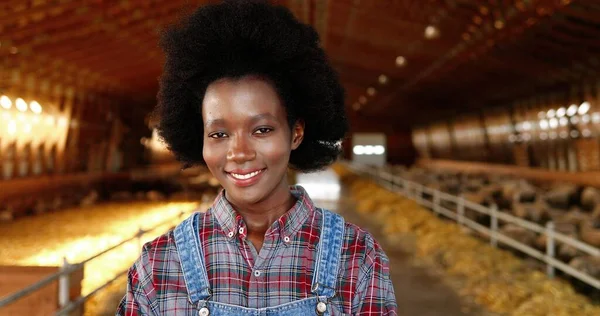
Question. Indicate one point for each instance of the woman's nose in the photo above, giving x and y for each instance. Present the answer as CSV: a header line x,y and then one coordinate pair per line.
x,y
241,150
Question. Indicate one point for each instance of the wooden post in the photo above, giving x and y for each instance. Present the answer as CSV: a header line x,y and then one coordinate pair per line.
x,y
550,247
494,226
460,206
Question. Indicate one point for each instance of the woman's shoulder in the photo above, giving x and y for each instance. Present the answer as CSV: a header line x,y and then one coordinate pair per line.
x,y
359,243
354,235
166,241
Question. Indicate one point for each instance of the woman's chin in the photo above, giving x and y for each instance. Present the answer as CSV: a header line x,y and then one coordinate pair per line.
x,y
244,195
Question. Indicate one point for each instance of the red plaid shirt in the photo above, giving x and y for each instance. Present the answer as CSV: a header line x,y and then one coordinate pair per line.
x,y
285,266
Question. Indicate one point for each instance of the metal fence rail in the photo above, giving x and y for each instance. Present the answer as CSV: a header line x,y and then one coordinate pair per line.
x,y
415,191
62,276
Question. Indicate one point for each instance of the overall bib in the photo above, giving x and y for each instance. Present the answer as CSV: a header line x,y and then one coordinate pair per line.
x,y
324,278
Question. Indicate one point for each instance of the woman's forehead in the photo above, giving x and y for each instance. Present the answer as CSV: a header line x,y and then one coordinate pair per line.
x,y
249,96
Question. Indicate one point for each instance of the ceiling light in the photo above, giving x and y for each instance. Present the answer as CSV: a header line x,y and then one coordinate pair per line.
x,y
574,134
358,150
585,119
379,150
431,32
383,79
400,61
583,108
5,102
574,120
21,105
362,99
586,133
561,112
572,110
551,113
499,24
35,107
371,91
356,106
563,121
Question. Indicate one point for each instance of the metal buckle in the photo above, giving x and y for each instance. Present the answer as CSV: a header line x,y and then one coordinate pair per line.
x,y
315,287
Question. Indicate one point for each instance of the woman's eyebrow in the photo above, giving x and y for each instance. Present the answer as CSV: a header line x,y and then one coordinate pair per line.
x,y
214,122
259,117
254,119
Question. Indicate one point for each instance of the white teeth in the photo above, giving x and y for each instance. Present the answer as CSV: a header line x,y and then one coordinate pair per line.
x,y
245,176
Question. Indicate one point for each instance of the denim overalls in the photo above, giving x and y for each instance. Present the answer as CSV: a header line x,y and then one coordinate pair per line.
x,y
324,279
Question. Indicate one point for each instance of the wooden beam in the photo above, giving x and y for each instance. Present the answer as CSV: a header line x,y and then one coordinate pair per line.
x,y
588,178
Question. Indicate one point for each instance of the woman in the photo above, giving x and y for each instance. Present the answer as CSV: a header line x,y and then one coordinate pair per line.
x,y
248,92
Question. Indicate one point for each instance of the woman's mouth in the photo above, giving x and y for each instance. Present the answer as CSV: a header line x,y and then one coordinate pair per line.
x,y
245,178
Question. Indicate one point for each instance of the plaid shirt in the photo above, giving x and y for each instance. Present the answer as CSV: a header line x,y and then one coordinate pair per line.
x,y
281,273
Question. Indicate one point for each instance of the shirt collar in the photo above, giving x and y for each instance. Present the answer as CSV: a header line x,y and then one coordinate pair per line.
x,y
286,226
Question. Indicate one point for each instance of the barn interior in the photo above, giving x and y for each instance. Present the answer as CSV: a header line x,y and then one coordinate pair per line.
x,y
473,152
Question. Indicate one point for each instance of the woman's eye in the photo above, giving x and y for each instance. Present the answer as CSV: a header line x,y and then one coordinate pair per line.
x,y
217,135
263,130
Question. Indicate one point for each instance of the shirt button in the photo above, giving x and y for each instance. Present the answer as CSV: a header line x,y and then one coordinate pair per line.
x,y
286,239
257,273
230,234
241,230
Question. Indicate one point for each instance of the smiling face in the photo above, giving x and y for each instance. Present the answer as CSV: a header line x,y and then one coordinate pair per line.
x,y
247,139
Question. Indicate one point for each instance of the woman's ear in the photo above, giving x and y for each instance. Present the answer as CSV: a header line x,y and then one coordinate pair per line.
x,y
297,134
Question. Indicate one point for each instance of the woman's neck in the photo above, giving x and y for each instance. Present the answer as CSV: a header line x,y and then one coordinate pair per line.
x,y
260,216
259,219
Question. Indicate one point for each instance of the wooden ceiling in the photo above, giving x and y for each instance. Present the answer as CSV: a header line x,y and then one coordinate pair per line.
x,y
487,51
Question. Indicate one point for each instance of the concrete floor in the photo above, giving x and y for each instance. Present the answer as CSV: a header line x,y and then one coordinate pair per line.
x,y
419,290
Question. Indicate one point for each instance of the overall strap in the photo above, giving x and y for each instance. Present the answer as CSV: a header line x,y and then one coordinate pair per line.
x,y
191,257
328,254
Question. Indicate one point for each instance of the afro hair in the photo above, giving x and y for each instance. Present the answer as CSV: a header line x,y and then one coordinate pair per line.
x,y
238,38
